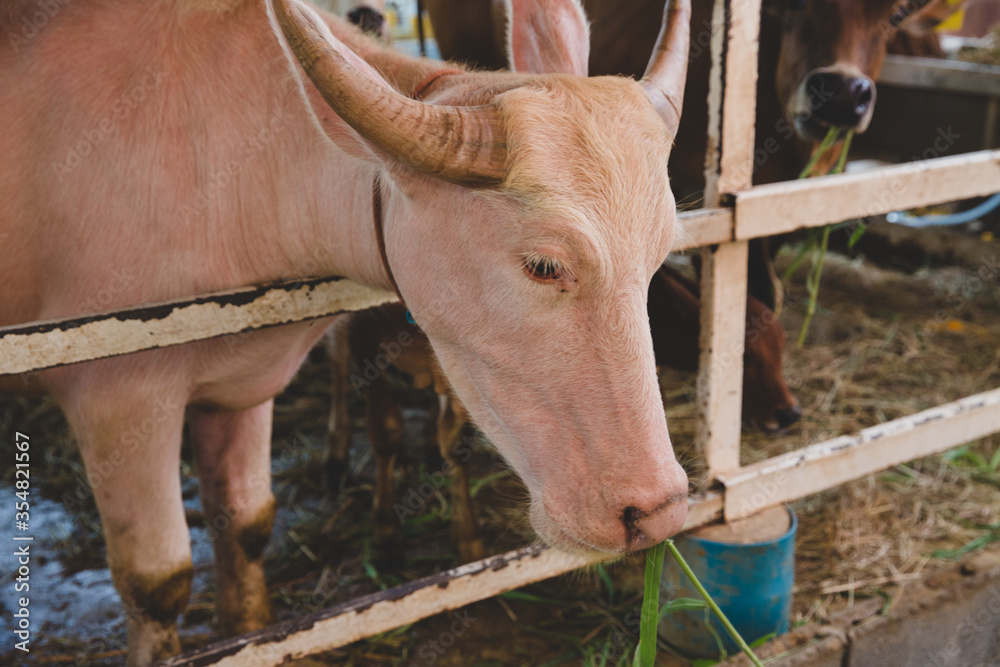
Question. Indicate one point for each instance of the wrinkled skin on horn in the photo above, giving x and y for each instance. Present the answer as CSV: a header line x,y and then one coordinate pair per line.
x,y
532,287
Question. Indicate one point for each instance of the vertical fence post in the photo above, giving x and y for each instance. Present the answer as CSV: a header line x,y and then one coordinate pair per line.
x,y
729,169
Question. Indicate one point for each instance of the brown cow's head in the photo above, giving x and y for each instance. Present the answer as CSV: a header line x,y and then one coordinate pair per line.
x,y
524,218
766,397
675,321
831,54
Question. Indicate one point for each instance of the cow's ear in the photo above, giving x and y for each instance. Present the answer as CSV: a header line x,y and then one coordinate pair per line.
x,y
547,36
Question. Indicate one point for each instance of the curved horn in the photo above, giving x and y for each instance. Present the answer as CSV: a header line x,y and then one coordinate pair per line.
x,y
667,68
462,145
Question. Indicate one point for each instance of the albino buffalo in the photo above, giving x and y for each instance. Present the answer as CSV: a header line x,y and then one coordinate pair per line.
x,y
156,150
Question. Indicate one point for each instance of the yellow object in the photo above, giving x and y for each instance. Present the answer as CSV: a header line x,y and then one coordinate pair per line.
x,y
955,21
953,325
428,30
987,237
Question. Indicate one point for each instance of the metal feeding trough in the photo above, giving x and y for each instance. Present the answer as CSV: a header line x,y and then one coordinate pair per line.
x,y
748,567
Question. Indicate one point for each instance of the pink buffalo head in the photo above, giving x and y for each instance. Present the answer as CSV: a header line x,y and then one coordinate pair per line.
x,y
524,217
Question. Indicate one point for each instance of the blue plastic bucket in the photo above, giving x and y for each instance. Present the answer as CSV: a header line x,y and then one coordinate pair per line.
x,y
751,582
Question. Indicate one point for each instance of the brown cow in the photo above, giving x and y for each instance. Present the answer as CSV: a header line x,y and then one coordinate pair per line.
x,y
362,345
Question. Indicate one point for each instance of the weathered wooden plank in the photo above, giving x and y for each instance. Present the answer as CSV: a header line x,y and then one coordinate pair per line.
x,y
945,75
824,465
702,227
739,98
379,612
729,168
782,207
720,376
40,345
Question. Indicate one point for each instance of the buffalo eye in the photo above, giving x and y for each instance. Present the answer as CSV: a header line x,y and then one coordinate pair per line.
x,y
542,268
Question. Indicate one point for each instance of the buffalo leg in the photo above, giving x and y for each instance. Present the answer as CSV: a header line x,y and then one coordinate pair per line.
x,y
385,431
452,423
233,455
338,431
130,442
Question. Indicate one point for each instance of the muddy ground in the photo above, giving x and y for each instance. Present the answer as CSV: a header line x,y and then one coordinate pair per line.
x,y
884,344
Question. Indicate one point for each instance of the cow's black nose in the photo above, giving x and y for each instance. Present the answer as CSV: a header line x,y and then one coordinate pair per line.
x,y
788,416
843,101
368,19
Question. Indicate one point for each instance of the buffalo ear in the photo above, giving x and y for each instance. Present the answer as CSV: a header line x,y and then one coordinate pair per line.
x,y
547,37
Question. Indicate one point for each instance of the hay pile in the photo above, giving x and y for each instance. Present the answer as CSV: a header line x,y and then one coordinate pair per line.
x,y
883,345
986,52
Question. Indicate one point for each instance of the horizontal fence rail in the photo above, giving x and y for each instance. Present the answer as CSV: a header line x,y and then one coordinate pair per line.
x,y
703,227
379,612
747,491
39,345
783,207
828,464
937,74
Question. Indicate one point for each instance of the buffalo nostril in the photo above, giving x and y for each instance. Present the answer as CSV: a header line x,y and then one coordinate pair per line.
x,y
863,96
788,416
644,529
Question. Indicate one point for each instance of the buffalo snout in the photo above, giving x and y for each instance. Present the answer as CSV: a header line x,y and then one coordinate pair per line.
x,y
636,509
649,527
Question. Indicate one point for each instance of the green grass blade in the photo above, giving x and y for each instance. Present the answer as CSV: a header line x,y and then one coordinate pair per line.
x,y
711,603
994,461
645,652
602,573
680,604
829,140
816,273
856,235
